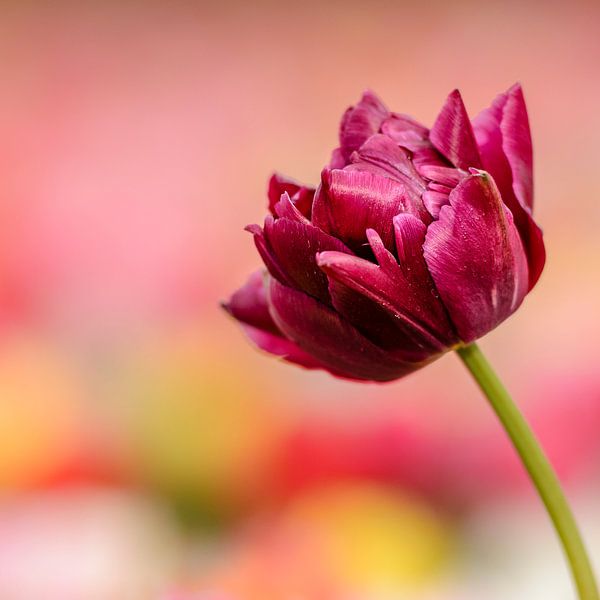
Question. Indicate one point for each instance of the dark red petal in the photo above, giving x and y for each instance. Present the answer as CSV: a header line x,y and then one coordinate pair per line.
x,y
476,258
350,202
293,247
249,306
404,291
410,237
452,134
363,294
266,253
282,347
330,339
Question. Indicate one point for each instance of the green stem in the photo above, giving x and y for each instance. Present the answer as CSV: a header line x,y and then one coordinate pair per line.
x,y
541,472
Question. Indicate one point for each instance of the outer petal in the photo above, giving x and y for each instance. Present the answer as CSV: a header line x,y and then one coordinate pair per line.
x,y
503,136
360,122
301,195
476,258
266,253
248,305
325,335
291,247
452,134
517,144
350,202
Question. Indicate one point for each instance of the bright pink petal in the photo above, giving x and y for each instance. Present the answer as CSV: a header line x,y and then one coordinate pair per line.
x,y
476,258
452,134
350,202
330,339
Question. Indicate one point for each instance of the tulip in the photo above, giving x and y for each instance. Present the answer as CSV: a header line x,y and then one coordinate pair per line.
x,y
416,241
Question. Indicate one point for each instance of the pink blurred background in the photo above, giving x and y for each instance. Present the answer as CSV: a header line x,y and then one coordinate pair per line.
x,y
146,450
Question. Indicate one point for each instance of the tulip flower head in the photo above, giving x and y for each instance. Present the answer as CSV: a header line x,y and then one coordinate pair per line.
x,y
415,242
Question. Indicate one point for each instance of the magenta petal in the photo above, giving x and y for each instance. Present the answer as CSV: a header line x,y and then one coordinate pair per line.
x,y
337,160
443,175
397,125
476,258
434,201
301,195
516,141
452,134
502,133
486,127
249,306
278,185
331,340
360,122
404,129
380,154
350,202
425,303
286,209
266,253
365,295
533,240
404,290
282,347
293,246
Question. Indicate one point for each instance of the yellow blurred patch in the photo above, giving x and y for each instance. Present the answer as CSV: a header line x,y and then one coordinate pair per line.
x,y
202,428
375,539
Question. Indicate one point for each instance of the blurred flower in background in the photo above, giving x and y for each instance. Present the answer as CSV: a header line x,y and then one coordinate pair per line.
x,y
146,450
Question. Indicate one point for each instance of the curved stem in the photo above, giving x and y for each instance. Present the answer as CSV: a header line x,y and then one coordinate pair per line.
x,y
541,472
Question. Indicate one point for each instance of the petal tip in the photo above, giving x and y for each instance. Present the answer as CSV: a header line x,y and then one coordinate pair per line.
x,y
254,229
